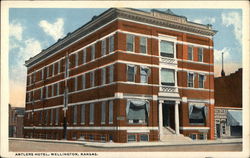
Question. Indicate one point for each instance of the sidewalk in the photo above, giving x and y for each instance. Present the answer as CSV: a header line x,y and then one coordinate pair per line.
x,y
136,144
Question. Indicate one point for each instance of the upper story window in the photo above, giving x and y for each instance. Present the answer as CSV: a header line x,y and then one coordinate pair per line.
x,y
131,71
200,54
190,80
167,77
190,53
76,59
59,67
103,76
143,45
130,43
111,73
75,114
111,43
167,49
84,56
103,46
42,74
83,81
93,52
57,116
92,79
201,81
144,74
75,84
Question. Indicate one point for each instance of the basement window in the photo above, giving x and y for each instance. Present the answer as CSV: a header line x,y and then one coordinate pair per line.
x,y
131,138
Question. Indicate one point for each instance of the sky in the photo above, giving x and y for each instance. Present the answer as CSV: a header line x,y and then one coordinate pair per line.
x,y
34,29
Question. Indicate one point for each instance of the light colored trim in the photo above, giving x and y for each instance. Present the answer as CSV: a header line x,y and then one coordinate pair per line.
x,y
128,128
196,89
229,108
164,27
194,128
199,100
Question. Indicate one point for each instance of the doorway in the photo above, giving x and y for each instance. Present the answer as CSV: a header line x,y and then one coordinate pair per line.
x,y
218,130
168,114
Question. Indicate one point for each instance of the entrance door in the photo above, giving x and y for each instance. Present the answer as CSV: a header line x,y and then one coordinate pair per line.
x,y
165,115
218,130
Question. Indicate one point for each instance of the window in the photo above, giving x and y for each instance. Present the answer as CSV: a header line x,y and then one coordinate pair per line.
x,y
92,79
74,114
34,77
41,94
93,52
131,137
83,81
47,72
84,56
111,44
144,137
111,112
103,112
42,74
223,128
167,49
190,53
201,81
130,43
52,90
111,73
91,138
57,92
57,116
137,111
131,71
192,136
75,85
53,69
40,117
103,138
83,114
91,113
76,59
190,80
47,91
144,74
203,136
143,45
200,54
167,77
51,116
103,46
197,113
47,117
59,67
103,76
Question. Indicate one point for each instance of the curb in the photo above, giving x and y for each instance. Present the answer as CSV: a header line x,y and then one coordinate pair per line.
x,y
125,145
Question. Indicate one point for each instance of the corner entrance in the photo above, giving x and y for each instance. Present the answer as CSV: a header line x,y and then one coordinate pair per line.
x,y
168,114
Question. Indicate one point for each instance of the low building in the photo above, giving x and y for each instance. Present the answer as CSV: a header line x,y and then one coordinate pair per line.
x,y
16,115
228,105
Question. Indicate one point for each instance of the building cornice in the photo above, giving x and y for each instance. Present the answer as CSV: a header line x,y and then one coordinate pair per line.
x,y
154,17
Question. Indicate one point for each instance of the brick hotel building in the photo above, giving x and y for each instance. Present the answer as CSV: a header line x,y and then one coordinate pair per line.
x,y
126,75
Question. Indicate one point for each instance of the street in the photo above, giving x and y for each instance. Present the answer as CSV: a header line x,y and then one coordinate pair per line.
x,y
30,146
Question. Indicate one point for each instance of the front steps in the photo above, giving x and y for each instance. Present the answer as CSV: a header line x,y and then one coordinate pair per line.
x,y
170,136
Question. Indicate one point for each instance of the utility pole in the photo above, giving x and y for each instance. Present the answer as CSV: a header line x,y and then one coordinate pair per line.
x,y
222,71
65,97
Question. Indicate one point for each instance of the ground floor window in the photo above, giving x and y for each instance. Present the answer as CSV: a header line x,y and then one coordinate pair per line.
x,y
131,138
91,138
137,111
197,113
144,137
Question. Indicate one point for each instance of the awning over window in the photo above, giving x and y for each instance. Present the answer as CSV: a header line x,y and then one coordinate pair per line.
x,y
234,118
137,109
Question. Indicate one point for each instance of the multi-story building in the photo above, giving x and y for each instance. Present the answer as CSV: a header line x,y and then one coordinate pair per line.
x,y
228,105
127,75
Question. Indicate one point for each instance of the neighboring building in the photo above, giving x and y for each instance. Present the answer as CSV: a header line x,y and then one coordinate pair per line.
x,y
228,105
16,115
130,76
